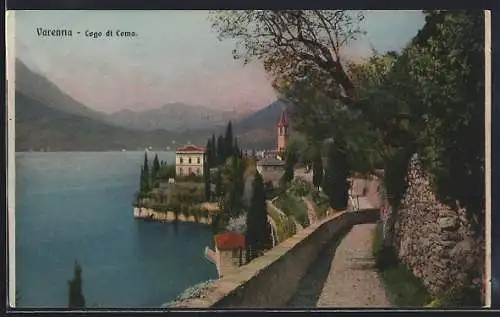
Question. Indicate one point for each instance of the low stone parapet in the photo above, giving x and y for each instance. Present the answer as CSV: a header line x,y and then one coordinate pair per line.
x,y
271,280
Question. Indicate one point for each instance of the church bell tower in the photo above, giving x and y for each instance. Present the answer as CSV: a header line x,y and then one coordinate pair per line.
x,y
282,131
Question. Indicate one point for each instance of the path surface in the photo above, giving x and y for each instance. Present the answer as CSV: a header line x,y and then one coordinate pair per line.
x,y
344,273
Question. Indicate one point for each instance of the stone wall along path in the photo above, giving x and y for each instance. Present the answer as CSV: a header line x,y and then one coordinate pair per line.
x,y
344,274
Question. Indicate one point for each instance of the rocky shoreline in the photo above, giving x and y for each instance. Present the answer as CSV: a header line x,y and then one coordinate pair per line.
x,y
169,216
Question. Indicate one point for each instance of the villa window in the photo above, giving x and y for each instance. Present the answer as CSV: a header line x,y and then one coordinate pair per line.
x,y
198,160
189,160
189,170
180,170
181,160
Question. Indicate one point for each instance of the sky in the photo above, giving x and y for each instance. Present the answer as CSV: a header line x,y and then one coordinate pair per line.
x,y
175,57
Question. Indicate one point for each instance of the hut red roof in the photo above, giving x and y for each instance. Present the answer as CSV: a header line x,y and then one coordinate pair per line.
x,y
190,148
282,121
229,241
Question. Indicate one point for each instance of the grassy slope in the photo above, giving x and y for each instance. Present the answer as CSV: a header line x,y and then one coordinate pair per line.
x,y
402,287
285,226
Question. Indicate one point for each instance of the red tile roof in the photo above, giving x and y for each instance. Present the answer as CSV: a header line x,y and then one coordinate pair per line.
x,y
282,121
229,241
190,148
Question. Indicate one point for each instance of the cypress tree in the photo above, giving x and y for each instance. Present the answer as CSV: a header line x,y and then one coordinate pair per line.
x,y
208,154
141,184
317,169
213,150
335,184
237,185
290,161
146,175
220,150
155,169
236,148
218,184
258,231
228,141
206,178
76,298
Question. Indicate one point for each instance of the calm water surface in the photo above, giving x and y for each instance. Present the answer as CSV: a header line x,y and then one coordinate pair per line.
x,y
77,206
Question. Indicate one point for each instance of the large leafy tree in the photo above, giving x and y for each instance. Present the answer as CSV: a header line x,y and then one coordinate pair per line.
x,y
447,66
291,43
438,81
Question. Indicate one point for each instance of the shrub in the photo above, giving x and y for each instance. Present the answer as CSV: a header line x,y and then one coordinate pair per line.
x,y
300,187
321,202
293,206
237,224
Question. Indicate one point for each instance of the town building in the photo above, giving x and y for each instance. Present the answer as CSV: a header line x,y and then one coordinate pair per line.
x,y
271,169
229,252
189,160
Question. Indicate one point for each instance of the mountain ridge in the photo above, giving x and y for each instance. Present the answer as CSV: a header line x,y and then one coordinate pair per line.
x,y
56,111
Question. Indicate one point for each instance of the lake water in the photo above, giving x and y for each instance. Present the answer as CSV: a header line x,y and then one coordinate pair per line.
x,y
77,206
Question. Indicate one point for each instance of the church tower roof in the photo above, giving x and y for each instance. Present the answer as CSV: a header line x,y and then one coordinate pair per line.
x,y
283,120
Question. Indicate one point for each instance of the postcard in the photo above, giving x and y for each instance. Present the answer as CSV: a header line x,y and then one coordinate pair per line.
x,y
255,159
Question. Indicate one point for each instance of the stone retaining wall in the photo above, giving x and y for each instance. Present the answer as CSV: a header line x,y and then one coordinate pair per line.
x,y
169,216
270,281
434,240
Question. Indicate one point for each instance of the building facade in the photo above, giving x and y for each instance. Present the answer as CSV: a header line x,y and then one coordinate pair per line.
x,y
271,169
230,251
189,160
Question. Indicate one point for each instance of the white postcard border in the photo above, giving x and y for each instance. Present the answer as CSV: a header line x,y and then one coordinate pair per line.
x,y
11,156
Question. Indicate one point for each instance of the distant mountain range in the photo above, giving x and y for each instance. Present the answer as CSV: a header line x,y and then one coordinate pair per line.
x,y
172,117
49,119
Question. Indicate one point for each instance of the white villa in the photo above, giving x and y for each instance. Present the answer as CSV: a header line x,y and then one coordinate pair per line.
x,y
189,160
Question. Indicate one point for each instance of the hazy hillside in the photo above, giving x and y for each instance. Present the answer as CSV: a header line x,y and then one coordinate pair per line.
x,y
259,128
41,127
172,117
48,118
41,89
265,117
